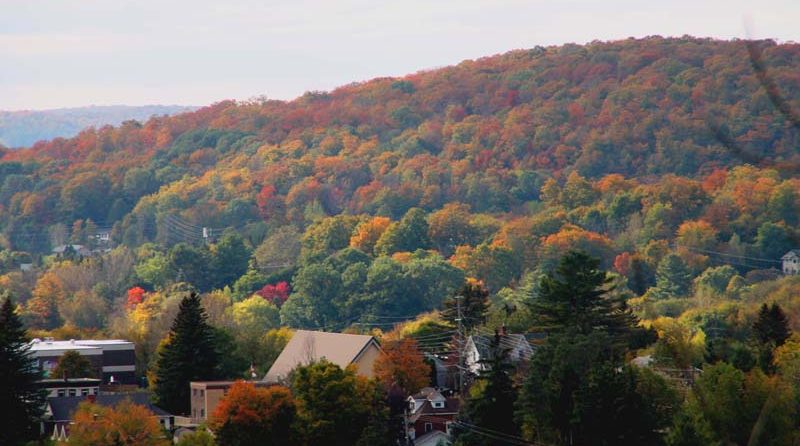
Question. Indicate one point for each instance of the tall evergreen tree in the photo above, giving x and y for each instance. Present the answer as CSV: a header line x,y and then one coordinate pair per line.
x,y
21,400
187,354
474,302
772,325
489,414
771,330
673,278
578,297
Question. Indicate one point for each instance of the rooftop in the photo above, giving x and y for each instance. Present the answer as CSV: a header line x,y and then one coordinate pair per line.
x,y
309,346
73,344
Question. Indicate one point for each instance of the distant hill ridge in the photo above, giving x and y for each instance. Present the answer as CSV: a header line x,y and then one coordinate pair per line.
x,y
489,133
25,127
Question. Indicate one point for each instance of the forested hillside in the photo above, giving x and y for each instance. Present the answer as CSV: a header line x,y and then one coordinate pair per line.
x,y
23,128
667,159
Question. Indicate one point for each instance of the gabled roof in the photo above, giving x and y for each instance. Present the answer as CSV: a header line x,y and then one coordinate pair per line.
x,y
511,342
63,407
790,254
432,438
309,346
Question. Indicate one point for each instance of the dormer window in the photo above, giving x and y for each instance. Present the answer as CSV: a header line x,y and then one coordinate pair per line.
x,y
437,404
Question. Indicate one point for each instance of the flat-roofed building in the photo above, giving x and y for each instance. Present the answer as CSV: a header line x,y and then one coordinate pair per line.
x,y
114,360
70,387
206,395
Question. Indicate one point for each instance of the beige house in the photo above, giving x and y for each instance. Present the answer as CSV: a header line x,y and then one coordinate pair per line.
x,y
341,349
206,395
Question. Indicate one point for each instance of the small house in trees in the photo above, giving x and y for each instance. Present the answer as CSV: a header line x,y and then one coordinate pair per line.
x,y
477,350
60,410
71,250
430,411
791,262
341,349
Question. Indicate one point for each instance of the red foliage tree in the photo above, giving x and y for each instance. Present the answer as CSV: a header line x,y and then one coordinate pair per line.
x,y
135,296
277,294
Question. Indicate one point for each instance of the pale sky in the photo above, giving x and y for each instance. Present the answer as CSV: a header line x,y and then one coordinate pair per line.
x,y
65,53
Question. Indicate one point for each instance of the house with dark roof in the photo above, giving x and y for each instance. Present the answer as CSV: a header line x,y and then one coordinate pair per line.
x,y
478,349
60,411
791,262
430,411
342,349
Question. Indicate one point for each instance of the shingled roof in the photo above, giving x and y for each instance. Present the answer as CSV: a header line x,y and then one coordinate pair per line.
x,y
309,346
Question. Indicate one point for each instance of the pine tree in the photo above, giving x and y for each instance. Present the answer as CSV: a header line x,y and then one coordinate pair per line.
x,y
489,414
578,297
673,278
22,401
474,306
187,354
772,325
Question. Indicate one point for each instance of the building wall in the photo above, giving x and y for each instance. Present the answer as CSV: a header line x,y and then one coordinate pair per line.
x,y
791,266
367,359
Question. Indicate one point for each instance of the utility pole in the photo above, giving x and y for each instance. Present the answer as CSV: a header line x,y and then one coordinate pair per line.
x,y
460,343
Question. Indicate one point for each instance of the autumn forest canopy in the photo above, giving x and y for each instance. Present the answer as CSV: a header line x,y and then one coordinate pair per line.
x,y
611,201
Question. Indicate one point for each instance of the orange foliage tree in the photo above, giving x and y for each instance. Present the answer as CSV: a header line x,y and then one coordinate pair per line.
x,y
401,364
127,424
252,415
368,233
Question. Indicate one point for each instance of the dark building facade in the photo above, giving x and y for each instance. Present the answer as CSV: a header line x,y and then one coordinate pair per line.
x,y
114,360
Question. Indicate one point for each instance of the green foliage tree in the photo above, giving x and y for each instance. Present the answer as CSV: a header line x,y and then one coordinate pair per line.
x,y
23,401
73,365
729,406
200,437
409,234
314,300
773,240
230,259
188,353
329,399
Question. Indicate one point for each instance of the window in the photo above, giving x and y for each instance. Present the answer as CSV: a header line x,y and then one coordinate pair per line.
x,y
62,392
202,413
202,393
84,392
438,405
73,392
428,427
194,392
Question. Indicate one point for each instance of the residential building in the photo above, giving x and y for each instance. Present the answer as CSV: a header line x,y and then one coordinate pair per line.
x,y
341,349
206,395
430,411
433,438
114,360
60,411
477,349
70,387
791,262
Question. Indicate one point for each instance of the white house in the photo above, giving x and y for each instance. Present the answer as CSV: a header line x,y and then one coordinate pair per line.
x,y
477,349
791,262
